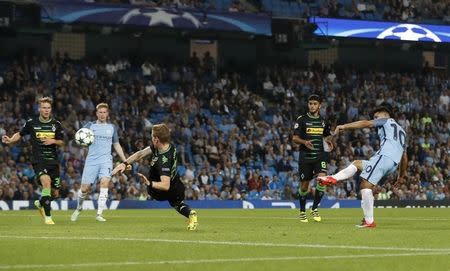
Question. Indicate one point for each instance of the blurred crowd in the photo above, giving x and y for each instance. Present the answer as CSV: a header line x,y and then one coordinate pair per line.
x,y
233,136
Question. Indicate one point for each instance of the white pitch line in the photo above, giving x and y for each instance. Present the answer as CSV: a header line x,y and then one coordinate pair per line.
x,y
226,243
208,261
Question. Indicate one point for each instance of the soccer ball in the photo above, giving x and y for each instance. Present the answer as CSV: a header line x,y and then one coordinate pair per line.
x,y
410,32
84,137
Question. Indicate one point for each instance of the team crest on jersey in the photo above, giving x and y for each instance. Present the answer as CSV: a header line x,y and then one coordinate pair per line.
x,y
109,132
154,160
53,127
165,159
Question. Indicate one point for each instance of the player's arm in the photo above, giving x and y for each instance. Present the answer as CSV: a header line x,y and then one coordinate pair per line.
x,y
134,157
119,150
296,139
163,185
299,132
11,140
355,125
328,137
329,142
402,168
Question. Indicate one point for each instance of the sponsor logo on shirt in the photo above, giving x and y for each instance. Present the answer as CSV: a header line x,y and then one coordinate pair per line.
x,y
314,131
43,135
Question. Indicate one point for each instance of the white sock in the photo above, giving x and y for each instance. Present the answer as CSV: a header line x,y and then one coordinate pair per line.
x,y
81,197
346,173
102,197
367,204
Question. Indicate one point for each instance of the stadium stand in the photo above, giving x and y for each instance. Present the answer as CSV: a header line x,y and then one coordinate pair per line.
x,y
233,136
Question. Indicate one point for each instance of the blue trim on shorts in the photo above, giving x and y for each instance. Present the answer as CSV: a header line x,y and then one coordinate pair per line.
x,y
373,169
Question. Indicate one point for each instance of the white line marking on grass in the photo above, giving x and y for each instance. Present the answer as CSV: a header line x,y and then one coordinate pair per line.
x,y
206,261
227,243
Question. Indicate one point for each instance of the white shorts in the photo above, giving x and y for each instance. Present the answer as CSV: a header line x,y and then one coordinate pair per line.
x,y
377,167
92,172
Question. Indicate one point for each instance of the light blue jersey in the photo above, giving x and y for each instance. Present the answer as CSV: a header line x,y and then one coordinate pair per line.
x,y
392,139
392,146
99,159
105,135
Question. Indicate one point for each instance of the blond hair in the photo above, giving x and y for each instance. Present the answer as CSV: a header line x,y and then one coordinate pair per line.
x,y
162,132
45,99
102,105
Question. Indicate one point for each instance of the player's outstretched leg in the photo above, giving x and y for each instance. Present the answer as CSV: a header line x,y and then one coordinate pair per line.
x,y
341,175
193,222
186,211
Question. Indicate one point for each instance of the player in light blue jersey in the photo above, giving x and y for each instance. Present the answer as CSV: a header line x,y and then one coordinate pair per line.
x,y
392,153
99,162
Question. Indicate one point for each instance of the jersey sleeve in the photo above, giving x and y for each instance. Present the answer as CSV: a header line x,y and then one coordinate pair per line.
x,y
59,132
88,125
26,129
115,138
299,127
379,122
165,166
327,129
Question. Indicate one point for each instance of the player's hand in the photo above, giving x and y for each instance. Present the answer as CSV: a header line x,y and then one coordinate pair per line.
x,y
309,144
120,168
6,139
330,144
48,141
400,181
144,179
338,129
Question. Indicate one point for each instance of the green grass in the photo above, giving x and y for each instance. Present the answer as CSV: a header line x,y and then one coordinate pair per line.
x,y
271,239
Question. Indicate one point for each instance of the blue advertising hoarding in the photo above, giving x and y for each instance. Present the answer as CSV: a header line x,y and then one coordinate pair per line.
x,y
222,204
381,30
54,11
197,204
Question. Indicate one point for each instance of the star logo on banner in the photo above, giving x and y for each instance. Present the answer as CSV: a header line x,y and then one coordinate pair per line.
x,y
160,17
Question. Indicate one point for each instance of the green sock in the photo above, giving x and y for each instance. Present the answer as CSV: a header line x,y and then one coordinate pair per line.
x,y
318,196
302,199
45,200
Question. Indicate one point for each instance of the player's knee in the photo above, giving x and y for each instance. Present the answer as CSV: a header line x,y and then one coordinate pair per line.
x,y
104,183
366,184
358,164
176,205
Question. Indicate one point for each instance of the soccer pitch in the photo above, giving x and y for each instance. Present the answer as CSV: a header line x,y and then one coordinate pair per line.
x,y
265,239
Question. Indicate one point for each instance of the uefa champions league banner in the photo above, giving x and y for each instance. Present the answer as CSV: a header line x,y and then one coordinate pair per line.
x,y
380,30
197,204
57,11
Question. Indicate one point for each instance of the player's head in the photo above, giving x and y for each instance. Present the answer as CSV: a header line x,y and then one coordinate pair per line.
x,y
45,107
102,111
160,134
384,110
314,102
